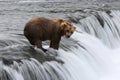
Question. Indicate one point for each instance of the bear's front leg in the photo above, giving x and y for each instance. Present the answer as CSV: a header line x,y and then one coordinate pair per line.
x,y
54,44
38,43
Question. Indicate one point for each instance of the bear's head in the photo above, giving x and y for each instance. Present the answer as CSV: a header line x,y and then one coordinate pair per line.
x,y
66,28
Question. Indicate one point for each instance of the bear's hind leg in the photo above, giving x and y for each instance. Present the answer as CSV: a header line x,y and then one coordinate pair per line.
x,y
38,43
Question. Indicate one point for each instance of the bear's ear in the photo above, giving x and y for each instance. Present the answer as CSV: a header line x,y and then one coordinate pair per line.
x,y
60,20
63,25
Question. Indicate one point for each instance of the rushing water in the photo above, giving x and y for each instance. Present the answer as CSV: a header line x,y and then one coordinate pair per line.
x,y
92,52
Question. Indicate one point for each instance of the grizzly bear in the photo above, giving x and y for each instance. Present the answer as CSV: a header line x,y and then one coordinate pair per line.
x,y
40,29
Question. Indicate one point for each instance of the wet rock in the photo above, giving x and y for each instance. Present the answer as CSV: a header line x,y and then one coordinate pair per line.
x,y
100,20
45,56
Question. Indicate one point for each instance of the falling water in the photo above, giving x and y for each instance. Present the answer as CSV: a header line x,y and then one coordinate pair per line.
x,y
107,29
92,53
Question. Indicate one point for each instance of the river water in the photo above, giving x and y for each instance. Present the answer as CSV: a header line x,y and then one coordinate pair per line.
x,y
92,52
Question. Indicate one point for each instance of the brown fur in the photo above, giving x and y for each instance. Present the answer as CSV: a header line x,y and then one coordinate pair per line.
x,y
40,29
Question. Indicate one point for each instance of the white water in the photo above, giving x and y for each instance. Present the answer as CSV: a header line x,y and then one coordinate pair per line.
x,y
106,49
95,57
7,73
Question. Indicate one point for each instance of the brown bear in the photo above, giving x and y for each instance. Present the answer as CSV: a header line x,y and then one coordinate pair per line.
x,y
40,29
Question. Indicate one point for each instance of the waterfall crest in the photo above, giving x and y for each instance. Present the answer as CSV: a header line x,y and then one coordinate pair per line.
x,y
92,53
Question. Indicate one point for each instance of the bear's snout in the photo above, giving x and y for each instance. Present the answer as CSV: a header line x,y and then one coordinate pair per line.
x,y
68,36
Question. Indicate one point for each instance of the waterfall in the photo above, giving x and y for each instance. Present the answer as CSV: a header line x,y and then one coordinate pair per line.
x,y
104,26
92,53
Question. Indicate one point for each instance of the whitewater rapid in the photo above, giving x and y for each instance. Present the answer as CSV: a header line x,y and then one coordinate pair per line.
x,y
92,52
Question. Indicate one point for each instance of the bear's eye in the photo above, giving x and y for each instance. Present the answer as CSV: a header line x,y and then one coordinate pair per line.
x,y
67,30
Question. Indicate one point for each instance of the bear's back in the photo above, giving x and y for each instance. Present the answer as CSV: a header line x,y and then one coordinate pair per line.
x,y
42,27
